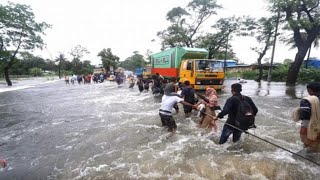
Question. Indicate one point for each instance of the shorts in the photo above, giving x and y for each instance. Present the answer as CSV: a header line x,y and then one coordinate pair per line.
x,y
168,121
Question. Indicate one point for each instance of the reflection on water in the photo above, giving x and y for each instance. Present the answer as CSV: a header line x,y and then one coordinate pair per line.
x,y
102,131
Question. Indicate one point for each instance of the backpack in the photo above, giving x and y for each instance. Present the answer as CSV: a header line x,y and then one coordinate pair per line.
x,y
245,115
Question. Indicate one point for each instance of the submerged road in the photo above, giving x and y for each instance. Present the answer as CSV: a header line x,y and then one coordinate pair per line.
x,y
105,131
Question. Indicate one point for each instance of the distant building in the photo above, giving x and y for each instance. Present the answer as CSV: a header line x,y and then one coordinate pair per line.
x,y
232,66
312,63
230,62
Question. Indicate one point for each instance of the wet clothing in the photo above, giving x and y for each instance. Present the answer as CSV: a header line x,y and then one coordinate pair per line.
x,y
140,85
165,111
168,121
307,113
227,131
230,108
188,94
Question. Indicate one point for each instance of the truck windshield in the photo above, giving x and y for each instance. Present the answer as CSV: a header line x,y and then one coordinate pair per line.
x,y
208,65
147,69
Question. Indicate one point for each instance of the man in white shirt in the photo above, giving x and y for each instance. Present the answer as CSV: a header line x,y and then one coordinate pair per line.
x,y
165,111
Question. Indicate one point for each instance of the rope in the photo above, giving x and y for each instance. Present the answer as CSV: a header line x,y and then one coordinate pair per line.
x,y
266,141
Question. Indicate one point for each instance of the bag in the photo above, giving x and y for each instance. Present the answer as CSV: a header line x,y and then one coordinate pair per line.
x,y
245,115
296,114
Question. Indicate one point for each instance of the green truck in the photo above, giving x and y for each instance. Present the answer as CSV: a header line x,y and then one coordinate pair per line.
x,y
189,64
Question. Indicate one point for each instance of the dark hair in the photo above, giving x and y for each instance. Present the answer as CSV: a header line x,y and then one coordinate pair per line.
x,y
157,74
236,87
172,79
164,81
187,83
314,86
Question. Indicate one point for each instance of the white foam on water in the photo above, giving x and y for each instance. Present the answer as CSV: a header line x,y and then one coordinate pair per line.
x,y
15,88
91,170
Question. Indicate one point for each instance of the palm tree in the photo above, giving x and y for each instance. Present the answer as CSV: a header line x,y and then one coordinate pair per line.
x,y
59,59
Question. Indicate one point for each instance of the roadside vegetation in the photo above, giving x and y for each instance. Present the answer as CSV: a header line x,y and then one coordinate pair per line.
x,y
279,74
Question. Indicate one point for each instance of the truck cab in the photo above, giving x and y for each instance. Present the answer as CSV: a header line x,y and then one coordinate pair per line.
x,y
202,73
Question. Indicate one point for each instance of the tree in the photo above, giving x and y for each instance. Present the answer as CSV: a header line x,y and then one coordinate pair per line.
x,y
302,18
133,62
108,59
31,61
35,71
78,52
18,30
265,28
185,25
60,59
217,42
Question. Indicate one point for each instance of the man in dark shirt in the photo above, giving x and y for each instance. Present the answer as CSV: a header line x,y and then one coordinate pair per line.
x,y
230,108
188,95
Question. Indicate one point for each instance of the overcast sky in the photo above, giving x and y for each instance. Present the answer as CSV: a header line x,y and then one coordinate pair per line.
x,y
126,26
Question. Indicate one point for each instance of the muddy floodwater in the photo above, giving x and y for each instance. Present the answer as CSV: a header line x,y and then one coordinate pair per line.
x,y
50,130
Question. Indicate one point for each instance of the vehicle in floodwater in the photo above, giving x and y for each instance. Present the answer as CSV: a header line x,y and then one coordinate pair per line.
x,y
189,64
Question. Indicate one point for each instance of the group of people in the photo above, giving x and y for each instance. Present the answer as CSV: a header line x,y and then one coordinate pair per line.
x,y
78,78
206,107
308,111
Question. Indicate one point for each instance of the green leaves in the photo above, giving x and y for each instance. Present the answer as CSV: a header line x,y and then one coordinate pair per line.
x,y
133,62
108,59
18,30
186,23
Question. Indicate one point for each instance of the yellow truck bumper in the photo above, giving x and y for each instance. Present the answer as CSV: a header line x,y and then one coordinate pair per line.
x,y
204,87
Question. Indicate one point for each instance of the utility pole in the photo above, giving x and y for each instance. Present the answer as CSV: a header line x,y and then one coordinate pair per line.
x,y
274,46
308,56
225,55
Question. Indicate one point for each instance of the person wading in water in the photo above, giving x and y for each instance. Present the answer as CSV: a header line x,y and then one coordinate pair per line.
x,y
309,114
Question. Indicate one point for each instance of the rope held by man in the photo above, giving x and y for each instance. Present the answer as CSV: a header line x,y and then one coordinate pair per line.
x,y
246,132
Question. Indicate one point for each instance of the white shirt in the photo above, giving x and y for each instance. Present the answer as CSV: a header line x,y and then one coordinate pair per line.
x,y
167,104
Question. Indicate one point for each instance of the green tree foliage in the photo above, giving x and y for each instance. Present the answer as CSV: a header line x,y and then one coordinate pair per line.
x,y
35,71
31,61
133,62
216,41
108,59
50,65
302,17
18,30
186,24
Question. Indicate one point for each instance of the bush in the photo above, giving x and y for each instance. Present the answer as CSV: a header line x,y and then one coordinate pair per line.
x,y
35,71
307,75
250,74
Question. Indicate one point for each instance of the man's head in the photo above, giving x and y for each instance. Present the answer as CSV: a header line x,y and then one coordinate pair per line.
x,y
313,88
173,79
187,83
236,88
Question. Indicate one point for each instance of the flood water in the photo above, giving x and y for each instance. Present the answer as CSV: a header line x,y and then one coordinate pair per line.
x,y
105,131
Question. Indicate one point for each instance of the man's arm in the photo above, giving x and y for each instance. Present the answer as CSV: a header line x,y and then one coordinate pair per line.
x,y
188,104
254,107
226,108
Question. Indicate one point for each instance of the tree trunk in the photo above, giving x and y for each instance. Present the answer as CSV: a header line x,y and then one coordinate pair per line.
x,y
6,75
295,66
